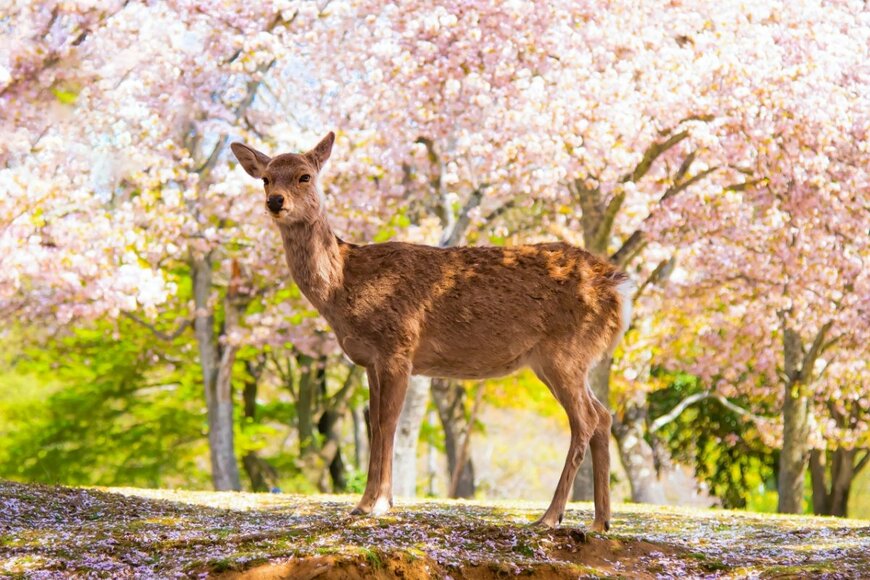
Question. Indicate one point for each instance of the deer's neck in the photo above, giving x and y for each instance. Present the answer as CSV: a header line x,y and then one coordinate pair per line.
x,y
314,258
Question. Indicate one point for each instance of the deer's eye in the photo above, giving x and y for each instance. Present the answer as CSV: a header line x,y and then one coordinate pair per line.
x,y
305,178
265,181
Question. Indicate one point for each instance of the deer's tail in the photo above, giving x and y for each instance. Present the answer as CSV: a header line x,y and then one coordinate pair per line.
x,y
625,289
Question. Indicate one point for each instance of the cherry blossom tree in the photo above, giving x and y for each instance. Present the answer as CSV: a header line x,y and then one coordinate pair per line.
x,y
776,279
120,199
594,123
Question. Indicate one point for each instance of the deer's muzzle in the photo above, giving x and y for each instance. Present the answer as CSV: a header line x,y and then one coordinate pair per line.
x,y
274,203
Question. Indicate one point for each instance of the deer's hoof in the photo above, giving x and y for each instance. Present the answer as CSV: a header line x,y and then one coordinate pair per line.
x,y
358,511
601,526
382,506
545,523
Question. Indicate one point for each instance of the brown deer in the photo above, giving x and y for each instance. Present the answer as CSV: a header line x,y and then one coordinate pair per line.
x,y
464,313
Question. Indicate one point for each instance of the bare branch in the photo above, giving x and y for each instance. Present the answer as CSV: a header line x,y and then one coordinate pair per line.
x,y
500,211
661,272
677,411
454,234
628,249
681,406
158,333
862,463
757,419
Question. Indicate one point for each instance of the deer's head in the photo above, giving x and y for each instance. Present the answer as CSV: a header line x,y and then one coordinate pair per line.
x,y
289,180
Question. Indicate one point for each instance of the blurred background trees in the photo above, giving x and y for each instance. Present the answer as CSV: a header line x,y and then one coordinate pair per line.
x,y
719,154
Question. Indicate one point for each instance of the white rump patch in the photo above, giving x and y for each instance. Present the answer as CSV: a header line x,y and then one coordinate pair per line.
x,y
626,291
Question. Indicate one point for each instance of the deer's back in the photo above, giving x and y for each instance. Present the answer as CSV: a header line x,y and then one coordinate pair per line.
x,y
471,311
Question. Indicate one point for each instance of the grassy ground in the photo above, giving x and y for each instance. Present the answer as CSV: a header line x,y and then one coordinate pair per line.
x,y
56,531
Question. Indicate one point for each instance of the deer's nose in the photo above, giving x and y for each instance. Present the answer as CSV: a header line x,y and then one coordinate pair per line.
x,y
275,202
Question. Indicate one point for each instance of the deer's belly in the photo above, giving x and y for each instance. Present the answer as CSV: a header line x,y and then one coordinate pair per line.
x,y
468,364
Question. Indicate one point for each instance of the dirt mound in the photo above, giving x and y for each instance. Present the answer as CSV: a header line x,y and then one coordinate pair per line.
x,y
573,555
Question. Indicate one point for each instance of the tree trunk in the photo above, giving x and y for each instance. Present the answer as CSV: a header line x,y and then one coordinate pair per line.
x,y
328,428
636,454
407,436
312,374
449,397
360,437
250,460
817,477
431,457
261,474
843,473
795,452
217,382
833,500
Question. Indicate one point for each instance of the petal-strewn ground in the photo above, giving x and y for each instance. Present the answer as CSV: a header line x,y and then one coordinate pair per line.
x,y
48,531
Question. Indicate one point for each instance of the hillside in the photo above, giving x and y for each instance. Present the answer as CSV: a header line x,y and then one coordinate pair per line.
x,y
56,532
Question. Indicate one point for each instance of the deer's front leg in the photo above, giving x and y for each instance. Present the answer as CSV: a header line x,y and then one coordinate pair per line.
x,y
388,384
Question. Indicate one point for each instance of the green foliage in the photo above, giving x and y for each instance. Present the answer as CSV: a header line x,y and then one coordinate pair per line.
x,y
102,406
523,390
725,450
356,481
392,228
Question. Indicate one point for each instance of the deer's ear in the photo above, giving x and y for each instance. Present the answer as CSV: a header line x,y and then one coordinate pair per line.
x,y
252,160
321,153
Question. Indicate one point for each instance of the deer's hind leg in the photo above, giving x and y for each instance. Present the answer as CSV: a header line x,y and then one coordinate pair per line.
x,y
388,383
566,379
600,447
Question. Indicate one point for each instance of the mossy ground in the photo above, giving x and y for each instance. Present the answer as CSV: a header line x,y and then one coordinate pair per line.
x,y
50,531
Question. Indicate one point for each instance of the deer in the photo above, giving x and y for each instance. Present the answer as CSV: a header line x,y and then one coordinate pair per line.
x,y
467,313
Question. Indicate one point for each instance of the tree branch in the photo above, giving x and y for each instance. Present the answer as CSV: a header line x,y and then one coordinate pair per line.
x,y
622,256
814,351
500,211
338,401
652,153
661,272
634,242
681,406
605,224
250,95
685,166
679,186
677,411
453,235
158,333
